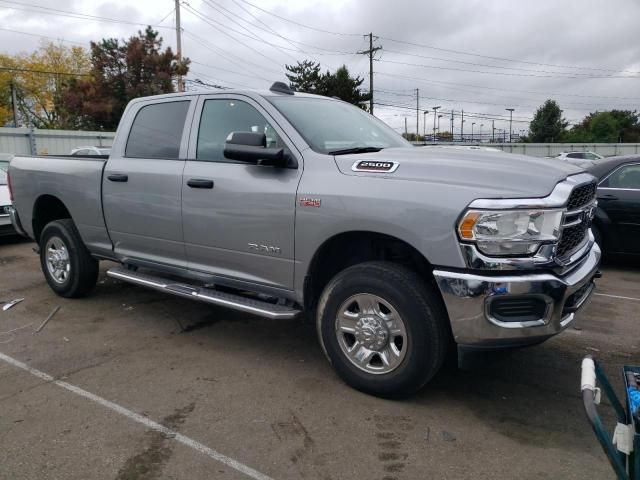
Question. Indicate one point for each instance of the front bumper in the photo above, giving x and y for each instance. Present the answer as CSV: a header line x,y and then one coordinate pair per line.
x,y
468,298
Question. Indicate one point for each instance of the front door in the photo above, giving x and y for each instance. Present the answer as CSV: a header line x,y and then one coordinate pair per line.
x,y
238,217
142,186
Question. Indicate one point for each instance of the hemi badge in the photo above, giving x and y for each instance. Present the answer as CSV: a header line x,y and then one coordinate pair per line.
x,y
373,166
310,202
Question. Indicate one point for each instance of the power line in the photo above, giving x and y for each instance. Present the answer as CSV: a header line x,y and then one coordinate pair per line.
x,y
44,72
502,59
489,66
41,36
301,24
70,14
509,74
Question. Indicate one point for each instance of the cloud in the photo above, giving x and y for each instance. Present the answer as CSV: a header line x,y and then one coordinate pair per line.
x,y
243,46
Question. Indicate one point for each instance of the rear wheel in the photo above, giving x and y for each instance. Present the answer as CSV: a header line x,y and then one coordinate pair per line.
x,y
383,328
68,267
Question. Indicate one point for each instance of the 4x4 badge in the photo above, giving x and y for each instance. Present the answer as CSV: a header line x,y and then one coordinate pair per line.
x,y
374,166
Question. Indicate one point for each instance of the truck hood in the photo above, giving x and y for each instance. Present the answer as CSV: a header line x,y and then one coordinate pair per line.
x,y
492,174
4,196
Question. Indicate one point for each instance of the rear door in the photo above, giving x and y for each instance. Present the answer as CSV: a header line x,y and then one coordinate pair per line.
x,y
142,183
619,197
238,217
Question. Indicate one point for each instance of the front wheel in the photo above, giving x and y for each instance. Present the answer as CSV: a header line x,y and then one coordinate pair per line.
x,y
383,328
68,267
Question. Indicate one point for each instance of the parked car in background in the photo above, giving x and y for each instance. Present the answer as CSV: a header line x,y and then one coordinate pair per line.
x,y
5,158
617,220
6,227
90,151
570,156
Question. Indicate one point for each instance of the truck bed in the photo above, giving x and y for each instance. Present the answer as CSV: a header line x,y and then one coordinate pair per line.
x,y
75,180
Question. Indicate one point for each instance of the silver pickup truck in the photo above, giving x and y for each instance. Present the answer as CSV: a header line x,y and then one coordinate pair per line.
x,y
278,203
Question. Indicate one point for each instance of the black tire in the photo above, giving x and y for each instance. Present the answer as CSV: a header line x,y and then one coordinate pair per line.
x,y
422,312
83,268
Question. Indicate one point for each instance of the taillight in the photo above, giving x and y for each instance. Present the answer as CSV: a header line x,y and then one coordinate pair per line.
x,y
9,185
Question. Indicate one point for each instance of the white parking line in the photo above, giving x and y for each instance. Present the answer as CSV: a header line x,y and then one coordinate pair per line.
x,y
209,452
617,296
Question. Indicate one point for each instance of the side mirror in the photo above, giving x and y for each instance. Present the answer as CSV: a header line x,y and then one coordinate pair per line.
x,y
252,148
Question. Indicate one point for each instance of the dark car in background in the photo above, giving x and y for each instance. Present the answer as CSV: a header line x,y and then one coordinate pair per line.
x,y
617,221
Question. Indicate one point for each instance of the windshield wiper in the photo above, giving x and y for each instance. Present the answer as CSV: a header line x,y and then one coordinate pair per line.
x,y
347,151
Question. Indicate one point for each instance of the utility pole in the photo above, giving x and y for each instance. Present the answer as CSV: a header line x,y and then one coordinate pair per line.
x,y
435,114
462,127
417,113
452,125
14,103
406,134
179,45
369,52
493,133
510,110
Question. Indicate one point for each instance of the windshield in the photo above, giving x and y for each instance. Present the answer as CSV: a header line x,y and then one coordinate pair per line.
x,y
4,166
329,125
3,177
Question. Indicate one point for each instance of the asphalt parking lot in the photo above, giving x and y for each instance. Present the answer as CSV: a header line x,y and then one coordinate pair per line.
x,y
243,397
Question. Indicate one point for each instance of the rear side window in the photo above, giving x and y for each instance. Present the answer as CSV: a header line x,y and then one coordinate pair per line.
x,y
157,131
627,177
575,155
220,118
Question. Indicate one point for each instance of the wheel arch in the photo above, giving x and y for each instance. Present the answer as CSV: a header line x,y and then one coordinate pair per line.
x,y
352,247
47,208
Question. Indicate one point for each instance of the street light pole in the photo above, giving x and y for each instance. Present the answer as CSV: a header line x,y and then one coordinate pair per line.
x,y
493,132
424,135
472,124
439,117
435,111
480,134
510,110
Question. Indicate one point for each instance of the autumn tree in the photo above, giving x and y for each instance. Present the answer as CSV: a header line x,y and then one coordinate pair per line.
x,y
121,71
39,81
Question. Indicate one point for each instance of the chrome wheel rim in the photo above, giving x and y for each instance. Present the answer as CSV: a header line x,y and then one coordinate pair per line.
x,y
57,260
371,333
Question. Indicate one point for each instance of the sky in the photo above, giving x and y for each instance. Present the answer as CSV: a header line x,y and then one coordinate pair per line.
x,y
478,56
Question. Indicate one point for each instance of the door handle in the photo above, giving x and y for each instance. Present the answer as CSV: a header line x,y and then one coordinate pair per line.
x,y
200,183
118,177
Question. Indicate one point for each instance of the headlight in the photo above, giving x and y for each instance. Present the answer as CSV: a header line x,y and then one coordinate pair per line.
x,y
510,232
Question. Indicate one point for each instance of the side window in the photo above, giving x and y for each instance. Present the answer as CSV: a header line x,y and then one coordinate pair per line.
x,y
575,155
625,177
157,131
220,118
590,156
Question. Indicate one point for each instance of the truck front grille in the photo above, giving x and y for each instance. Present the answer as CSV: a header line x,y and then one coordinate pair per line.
x,y
574,234
581,196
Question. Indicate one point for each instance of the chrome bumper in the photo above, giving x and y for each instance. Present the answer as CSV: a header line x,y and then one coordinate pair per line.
x,y
468,297
15,221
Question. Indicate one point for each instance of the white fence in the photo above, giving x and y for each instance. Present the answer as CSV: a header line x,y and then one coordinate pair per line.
x,y
552,149
27,141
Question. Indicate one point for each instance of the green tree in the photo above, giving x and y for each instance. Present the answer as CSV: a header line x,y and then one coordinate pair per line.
x,y
120,72
342,85
547,124
609,126
305,76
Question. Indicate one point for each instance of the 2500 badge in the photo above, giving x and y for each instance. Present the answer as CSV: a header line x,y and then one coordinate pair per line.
x,y
373,166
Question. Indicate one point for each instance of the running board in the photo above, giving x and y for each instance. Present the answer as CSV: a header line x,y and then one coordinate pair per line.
x,y
207,295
